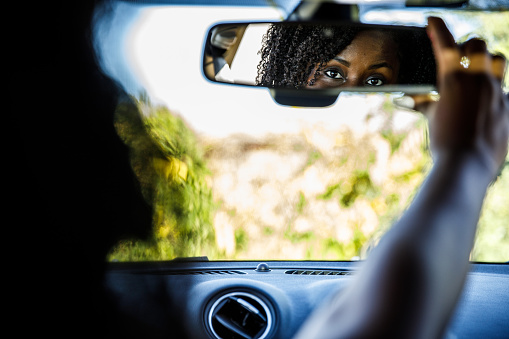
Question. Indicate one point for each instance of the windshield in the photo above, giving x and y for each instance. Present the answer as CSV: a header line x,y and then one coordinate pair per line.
x,y
233,175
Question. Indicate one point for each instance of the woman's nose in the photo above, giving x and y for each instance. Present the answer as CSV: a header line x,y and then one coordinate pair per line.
x,y
354,81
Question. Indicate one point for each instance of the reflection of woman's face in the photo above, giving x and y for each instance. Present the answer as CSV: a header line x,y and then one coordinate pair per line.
x,y
370,60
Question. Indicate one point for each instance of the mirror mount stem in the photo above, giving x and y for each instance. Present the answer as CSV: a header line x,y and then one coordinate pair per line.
x,y
324,11
314,10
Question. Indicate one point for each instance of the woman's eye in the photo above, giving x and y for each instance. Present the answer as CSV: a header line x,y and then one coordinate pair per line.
x,y
374,82
333,74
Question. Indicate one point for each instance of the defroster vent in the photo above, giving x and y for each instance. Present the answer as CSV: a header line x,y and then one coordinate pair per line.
x,y
240,315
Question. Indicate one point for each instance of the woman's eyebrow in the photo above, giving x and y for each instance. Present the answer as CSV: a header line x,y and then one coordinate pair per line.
x,y
380,65
342,61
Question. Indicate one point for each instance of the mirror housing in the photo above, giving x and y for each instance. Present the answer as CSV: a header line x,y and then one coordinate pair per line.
x,y
263,54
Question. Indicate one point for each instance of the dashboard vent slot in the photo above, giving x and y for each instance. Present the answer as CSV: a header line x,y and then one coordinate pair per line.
x,y
240,315
206,272
190,272
316,272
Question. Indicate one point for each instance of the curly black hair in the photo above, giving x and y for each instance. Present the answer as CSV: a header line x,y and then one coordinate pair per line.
x,y
290,52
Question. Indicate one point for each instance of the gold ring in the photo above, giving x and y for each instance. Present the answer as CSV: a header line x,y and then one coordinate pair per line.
x,y
465,62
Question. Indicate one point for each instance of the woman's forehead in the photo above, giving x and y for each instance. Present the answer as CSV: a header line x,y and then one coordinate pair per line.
x,y
372,44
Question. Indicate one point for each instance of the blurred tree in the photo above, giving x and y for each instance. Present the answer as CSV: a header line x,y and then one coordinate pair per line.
x,y
492,239
169,165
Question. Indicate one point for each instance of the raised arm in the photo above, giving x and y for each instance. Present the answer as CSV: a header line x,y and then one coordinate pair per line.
x,y
411,282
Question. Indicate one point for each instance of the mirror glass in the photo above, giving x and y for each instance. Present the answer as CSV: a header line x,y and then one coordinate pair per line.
x,y
319,56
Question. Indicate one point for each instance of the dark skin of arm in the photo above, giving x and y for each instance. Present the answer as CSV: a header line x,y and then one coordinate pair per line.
x,y
410,284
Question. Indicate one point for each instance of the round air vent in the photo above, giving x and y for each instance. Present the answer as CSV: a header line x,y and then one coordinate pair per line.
x,y
240,315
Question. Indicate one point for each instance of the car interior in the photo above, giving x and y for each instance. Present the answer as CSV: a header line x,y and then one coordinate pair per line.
x,y
267,197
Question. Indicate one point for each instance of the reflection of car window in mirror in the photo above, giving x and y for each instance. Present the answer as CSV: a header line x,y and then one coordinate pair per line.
x,y
318,56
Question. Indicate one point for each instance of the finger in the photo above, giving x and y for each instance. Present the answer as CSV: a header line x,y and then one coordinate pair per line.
x,y
474,46
439,34
498,65
480,63
476,52
444,46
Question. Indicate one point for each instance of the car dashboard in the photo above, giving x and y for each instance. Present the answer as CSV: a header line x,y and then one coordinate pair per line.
x,y
272,299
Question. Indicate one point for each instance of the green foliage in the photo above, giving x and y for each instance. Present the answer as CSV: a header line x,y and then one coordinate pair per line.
x,y
241,239
169,163
394,139
183,199
359,185
492,239
359,238
296,237
134,250
301,203
314,155
268,230
331,191
333,249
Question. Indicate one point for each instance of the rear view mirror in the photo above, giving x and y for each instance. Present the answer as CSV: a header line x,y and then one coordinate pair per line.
x,y
322,59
